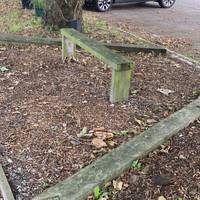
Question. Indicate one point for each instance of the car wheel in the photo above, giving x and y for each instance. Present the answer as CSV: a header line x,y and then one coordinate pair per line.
x,y
166,3
103,5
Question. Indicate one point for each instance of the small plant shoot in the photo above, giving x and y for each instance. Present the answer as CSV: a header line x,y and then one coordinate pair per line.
x,y
136,164
97,192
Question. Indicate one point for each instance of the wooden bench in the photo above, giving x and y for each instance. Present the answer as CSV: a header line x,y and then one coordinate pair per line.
x,y
121,67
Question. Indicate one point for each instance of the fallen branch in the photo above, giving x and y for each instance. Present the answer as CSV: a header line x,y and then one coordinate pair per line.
x,y
4,186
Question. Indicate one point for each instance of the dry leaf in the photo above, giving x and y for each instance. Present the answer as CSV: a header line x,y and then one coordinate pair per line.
x,y
98,129
151,121
138,121
104,135
162,198
139,75
112,143
117,185
104,198
98,143
166,114
126,185
166,92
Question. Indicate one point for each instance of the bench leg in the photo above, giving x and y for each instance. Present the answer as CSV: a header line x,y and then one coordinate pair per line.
x,y
120,85
68,48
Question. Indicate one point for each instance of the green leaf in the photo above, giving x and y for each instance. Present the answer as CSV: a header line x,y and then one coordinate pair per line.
x,y
3,69
179,198
97,192
136,164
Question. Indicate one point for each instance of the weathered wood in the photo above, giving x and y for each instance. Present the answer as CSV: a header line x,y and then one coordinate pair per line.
x,y
4,186
121,67
136,48
81,184
98,50
68,48
12,38
120,85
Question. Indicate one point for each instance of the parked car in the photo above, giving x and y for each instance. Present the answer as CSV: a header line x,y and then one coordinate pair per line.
x,y
104,5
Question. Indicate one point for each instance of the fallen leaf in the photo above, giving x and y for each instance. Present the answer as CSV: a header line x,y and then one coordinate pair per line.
x,y
182,157
166,92
84,133
126,185
104,198
98,129
112,143
134,92
98,143
3,69
118,185
138,121
151,121
166,114
139,75
103,135
162,198
2,48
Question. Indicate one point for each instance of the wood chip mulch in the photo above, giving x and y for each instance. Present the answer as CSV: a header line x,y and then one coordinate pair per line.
x,y
171,172
44,104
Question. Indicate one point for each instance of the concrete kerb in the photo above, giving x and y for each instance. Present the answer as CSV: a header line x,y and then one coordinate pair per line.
x,y
171,53
4,186
80,185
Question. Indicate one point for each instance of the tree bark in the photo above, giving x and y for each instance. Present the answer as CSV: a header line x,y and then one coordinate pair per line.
x,y
59,12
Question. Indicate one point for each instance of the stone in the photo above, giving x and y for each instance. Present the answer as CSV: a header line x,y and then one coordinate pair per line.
x,y
162,180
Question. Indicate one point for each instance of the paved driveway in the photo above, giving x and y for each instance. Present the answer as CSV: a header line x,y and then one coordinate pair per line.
x,y
181,21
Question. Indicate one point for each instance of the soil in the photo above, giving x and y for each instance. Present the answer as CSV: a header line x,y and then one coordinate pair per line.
x,y
178,162
44,104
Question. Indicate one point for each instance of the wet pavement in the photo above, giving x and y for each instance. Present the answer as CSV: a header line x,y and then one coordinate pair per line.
x,y
180,21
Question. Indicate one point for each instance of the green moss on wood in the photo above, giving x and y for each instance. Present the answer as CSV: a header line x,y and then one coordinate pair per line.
x,y
97,49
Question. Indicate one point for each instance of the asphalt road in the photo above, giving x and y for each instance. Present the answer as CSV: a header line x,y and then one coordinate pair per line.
x,y
180,21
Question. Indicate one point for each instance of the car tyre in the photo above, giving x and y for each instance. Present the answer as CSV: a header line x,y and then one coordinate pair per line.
x,y
103,5
166,3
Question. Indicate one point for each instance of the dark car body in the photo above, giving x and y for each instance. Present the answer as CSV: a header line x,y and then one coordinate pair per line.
x,y
104,5
123,1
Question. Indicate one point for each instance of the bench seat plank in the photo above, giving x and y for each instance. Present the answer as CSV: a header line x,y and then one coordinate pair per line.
x,y
97,49
121,66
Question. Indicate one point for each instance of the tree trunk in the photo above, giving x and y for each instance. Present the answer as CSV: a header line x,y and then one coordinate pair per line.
x,y
60,12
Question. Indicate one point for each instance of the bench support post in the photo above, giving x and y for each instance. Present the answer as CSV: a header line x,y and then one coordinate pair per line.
x,y
120,85
68,48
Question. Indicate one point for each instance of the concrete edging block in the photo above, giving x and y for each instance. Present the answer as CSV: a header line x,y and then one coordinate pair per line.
x,y
4,186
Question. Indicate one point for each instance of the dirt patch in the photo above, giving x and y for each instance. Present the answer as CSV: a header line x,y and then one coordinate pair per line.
x,y
44,104
173,171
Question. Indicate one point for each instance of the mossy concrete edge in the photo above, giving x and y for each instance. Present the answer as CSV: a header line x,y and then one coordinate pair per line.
x,y
172,54
4,186
80,185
